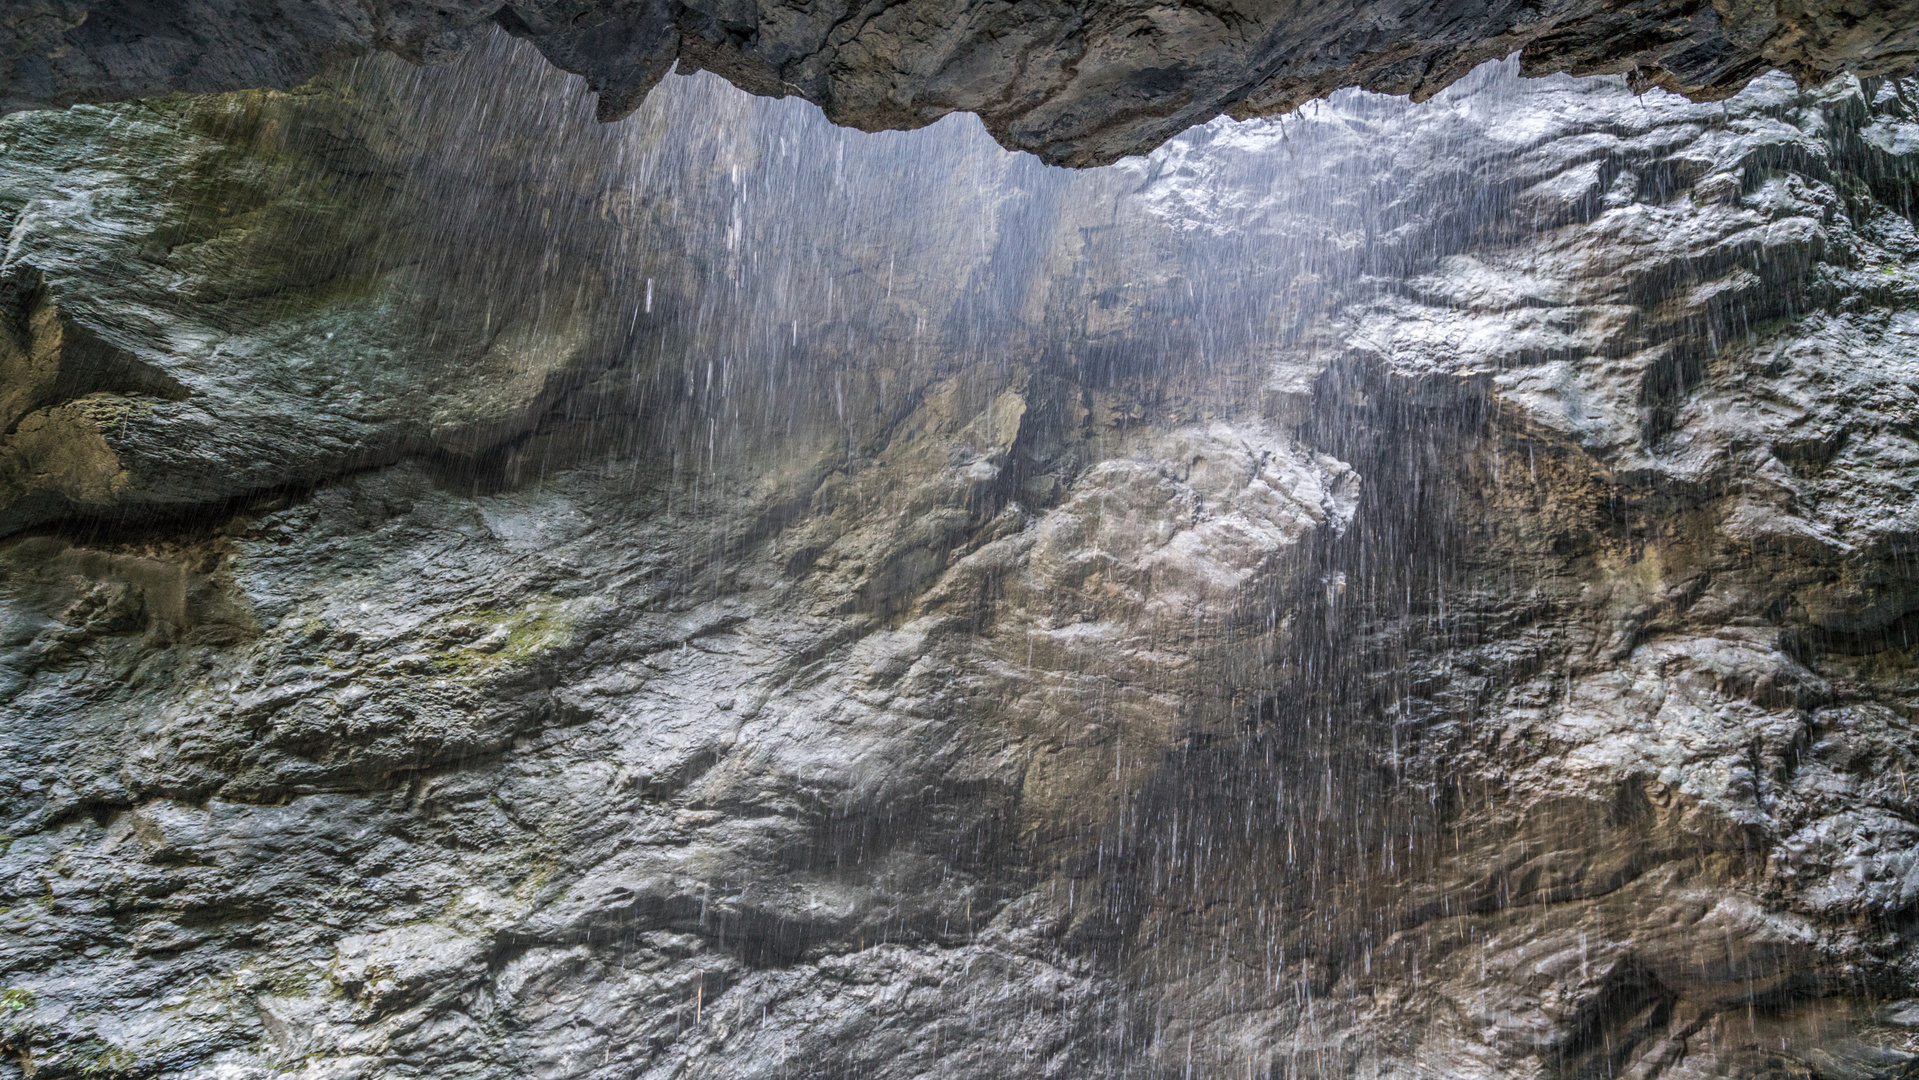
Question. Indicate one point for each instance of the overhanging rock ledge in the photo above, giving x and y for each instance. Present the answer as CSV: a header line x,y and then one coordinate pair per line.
x,y
1077,82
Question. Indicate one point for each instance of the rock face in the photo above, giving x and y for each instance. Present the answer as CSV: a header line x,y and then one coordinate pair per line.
x,y
1408,590
1078,83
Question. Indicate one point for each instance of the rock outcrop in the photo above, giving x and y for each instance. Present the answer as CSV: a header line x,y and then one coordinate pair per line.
x,y
1405,590
1076,83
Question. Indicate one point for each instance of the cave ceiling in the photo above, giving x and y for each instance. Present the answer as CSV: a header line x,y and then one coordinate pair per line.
x,y
1075,82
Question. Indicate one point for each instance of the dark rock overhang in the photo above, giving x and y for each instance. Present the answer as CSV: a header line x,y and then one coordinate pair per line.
x,y
1077,82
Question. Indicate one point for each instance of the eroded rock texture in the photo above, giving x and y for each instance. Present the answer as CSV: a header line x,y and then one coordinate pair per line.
x,y
1078,83
1413,591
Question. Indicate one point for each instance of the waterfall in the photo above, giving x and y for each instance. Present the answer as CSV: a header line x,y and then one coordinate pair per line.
x,y
1393,589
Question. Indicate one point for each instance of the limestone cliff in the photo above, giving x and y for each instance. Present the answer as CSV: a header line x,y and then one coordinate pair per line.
x,y
1404,590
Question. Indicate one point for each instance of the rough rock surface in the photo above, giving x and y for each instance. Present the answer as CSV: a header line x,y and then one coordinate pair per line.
x,y
1078,83
1406,591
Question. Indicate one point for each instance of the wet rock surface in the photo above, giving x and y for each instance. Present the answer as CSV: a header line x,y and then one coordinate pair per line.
x,y
1076,83
1416,591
